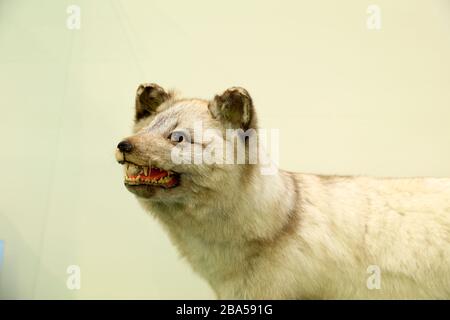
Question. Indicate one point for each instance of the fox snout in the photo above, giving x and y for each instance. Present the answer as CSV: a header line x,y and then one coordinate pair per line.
x,y
143,149
125,146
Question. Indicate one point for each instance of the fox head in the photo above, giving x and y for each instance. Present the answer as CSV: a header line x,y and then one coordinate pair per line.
x,y
180,148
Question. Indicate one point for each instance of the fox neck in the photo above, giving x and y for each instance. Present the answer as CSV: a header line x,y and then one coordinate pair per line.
x,y
254,210
225,232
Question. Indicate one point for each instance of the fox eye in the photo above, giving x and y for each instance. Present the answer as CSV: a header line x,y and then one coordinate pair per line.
x,y
179,136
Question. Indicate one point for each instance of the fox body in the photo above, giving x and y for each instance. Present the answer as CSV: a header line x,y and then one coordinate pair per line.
x,y
283,235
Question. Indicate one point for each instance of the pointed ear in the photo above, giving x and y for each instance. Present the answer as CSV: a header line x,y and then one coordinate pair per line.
x,y
149,97
234,108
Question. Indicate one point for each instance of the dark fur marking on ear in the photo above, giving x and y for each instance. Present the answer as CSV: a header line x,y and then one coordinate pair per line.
x,y
234,108
148,98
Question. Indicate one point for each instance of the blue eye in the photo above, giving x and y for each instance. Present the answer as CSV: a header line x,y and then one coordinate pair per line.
x,y
179,136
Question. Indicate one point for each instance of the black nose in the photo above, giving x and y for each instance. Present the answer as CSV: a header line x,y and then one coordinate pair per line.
x,y
125,146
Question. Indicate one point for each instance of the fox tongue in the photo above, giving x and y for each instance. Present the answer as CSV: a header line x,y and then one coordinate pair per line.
x,y
155,174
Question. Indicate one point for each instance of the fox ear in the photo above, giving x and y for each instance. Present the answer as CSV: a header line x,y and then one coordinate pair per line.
x,y
234,108
149,96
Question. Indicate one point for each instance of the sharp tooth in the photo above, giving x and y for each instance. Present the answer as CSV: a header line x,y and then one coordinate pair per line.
x,y
146,171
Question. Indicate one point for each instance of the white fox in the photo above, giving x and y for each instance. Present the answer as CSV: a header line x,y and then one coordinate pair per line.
x,y
286,235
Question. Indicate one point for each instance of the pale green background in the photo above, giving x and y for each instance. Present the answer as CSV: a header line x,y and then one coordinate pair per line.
x,y
347,101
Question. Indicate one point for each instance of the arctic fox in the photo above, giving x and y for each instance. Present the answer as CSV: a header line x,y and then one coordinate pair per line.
x,y
283,235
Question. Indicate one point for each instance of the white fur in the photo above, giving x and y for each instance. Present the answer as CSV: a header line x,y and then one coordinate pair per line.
x,y
296,235
345,225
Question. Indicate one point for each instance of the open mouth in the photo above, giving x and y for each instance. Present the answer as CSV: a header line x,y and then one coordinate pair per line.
x,y
143,175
